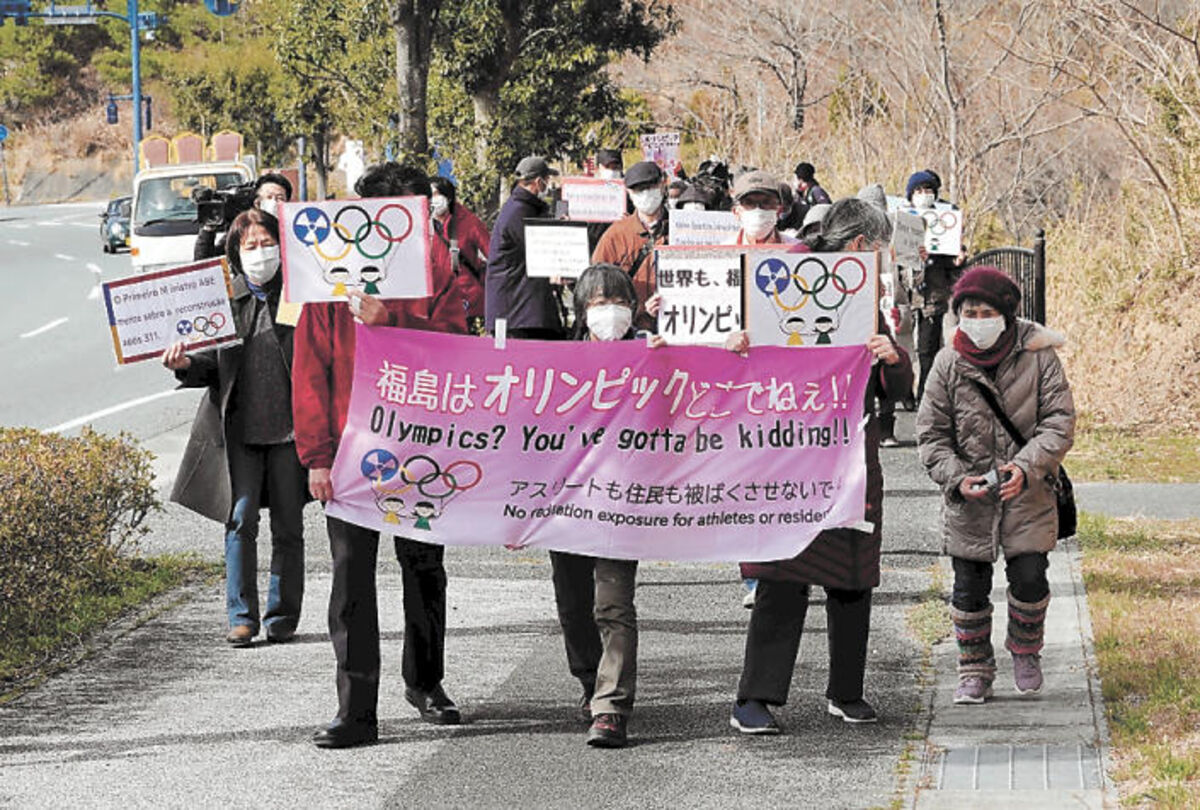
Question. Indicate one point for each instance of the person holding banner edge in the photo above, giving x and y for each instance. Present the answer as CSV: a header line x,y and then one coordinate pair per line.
x,y
241,454
321,383
844,561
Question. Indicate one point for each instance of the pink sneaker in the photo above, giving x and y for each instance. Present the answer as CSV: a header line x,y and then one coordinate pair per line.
x,y
972,689
1027,673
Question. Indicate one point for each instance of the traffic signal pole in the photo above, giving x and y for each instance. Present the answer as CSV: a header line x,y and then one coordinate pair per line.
x,y
135,55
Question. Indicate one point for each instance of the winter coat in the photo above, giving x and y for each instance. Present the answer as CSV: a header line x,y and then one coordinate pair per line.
x,y
959,435
526,303
458,291
848,559
202,483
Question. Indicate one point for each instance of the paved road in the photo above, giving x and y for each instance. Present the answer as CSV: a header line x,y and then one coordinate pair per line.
x,y
56,354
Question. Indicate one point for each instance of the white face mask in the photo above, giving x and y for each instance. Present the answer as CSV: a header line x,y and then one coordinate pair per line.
x,y
609,321
610,174
647,202
260,264
269,205
983,332
757,222
923,199
692,206
438,205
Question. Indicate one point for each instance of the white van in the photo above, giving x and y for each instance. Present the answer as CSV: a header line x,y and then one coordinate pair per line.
x,y
163,226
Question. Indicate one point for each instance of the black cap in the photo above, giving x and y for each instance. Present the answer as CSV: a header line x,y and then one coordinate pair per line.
x,y
640,174
605,157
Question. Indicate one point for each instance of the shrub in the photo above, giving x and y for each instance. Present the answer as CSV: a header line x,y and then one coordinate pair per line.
x,y
69,507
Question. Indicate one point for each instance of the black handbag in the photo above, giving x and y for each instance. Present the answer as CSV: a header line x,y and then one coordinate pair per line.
x,y
1064,490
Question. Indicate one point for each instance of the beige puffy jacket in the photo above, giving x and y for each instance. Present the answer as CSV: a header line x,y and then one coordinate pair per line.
x,y
959,435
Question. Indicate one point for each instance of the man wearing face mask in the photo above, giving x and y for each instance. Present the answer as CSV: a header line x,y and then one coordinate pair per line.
x,y
527,304
756,202
630,242
938,277
609,164
269,190
242,444
460,241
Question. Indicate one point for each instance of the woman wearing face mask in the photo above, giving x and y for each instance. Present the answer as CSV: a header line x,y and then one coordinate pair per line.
x,y
845,562
241,455
595,595
460,240
998,495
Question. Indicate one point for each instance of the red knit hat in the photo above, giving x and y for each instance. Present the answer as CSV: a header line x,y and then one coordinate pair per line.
x,y
990,285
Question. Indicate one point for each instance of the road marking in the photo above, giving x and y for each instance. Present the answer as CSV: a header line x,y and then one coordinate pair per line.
x,y
49,223
124,406
95,268
65,257
46,328
18,243
95,293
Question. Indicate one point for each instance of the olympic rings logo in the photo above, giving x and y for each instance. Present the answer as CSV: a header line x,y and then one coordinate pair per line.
x,y
355,229
845,278
423,472
201,326
939,223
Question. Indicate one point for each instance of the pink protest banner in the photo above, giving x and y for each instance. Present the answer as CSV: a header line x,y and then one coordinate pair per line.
x,y
608,449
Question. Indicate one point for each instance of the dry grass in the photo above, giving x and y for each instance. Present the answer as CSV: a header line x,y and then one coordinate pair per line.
x,y
1143,581
1109,454
88,136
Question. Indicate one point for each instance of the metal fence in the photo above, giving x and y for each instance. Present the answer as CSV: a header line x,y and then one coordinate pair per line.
x,y
1027,267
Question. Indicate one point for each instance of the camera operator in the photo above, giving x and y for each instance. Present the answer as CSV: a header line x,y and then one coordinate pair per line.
x,y
269,191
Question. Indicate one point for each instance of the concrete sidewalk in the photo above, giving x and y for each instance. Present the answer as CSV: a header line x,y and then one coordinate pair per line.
x,y
165,714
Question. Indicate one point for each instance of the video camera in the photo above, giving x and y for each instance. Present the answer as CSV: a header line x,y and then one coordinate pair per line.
x,y
217,208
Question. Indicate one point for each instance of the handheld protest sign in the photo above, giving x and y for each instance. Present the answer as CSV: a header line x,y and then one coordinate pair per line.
x,y
379,246
556,248
943,230
908,237
702,227
590,199
662,148
150,312
810,299
701,291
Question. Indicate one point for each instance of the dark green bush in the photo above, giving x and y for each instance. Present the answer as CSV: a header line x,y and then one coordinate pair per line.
x,y
68,507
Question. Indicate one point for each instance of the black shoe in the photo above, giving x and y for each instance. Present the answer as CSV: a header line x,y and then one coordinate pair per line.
x,y
280,636
607,731
853,711
346,735
909,403
435,706
585,707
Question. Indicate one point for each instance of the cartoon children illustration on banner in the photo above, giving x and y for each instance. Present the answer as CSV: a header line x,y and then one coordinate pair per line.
x,y
425,483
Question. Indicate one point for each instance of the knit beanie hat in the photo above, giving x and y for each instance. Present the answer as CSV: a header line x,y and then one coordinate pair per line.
x,y
922,178
990,285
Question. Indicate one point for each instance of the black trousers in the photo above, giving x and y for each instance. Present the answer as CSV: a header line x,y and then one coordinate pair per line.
x,y
575,594
973,580
929,341
354,616
773,641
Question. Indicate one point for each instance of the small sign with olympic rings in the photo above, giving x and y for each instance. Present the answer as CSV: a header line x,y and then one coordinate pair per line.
x,y
377,246
810,299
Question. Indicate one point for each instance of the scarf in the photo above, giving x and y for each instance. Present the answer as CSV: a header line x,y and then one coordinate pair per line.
x,y
986,358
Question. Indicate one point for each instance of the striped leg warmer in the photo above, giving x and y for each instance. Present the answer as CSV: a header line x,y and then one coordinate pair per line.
x,y
973,632
1026,625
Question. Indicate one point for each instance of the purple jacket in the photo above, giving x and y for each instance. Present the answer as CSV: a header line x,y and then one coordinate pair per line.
x,y
527,303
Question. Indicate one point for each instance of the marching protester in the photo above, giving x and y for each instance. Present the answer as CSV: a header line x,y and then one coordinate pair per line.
x,y
610,165
993,427
241,455
460,245
631,240
697,197
808,190
528,305
270,190
893,302
757,203
677,188
595,594
324,370
844,561
938,277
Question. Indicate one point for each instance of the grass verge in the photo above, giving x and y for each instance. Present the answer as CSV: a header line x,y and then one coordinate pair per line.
x,y
30,658
1108,454
1143,585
